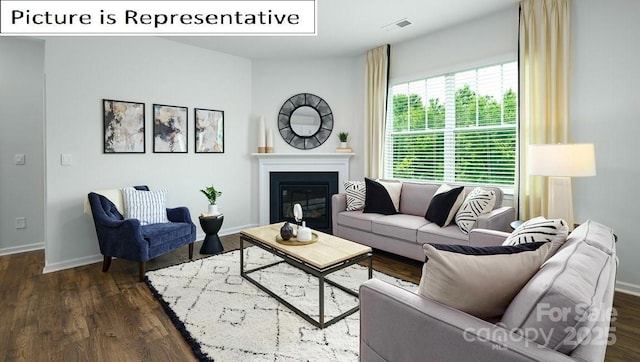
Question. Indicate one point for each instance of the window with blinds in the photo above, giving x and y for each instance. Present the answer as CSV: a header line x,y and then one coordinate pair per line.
x,y
457,127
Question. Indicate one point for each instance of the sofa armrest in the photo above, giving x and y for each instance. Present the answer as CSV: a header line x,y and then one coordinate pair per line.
x,y
182,214
126,226
497,219
121,238
338,204
398,325
486,237
179,214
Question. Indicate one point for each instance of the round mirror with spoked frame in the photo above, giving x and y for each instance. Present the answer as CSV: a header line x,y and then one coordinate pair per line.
x,y
305,121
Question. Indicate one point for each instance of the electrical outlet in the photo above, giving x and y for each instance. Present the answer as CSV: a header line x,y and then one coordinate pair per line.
x,y
65,159
20,159
21,223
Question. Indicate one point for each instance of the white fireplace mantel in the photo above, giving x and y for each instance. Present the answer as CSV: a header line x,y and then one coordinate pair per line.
x,y
297,162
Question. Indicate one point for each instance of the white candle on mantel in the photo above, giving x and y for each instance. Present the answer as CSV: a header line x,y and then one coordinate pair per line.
x,y
270,138
261,133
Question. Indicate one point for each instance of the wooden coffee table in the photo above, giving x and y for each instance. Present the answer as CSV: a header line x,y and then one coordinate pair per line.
x,y
327,255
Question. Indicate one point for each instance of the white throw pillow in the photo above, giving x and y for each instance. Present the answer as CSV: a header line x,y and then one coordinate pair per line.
x,y
539,229
356,194
147,206
114,195
478,202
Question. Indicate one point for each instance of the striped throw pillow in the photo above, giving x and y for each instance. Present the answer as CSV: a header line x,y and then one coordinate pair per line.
x,y
147,206
356,194
537,230
478,202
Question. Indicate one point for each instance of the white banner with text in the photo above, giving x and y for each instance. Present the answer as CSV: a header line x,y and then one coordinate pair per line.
x,y
41,18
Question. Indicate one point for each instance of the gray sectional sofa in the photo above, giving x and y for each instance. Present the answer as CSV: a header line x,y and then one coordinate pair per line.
x,y
404,233
565,310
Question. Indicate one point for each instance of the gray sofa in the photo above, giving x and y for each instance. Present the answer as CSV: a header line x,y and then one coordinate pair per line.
x,y
404,233
572,291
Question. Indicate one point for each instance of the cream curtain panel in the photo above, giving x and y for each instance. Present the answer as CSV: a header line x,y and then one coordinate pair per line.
x,y
544,95
377,79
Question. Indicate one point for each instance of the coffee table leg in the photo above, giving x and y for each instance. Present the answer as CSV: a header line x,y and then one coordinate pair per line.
x,y
241,256
370,266
321,292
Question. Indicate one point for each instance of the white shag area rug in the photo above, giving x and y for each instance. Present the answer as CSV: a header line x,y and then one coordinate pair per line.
x,y
226,318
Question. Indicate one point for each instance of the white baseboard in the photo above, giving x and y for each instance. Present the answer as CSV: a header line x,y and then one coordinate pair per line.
x,y
68,264
228,231
628,288
21,249
236,229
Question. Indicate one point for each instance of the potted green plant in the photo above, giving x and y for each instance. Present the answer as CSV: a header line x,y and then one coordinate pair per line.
x,y
212,195
344,137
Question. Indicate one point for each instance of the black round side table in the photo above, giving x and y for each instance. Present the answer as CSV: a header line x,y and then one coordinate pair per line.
x,y
211,225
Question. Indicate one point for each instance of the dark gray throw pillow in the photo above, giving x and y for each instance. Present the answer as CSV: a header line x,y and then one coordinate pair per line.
x,y
441,205
377,199
488,250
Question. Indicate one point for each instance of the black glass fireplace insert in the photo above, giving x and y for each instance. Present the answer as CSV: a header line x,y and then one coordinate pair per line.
x,y
312,190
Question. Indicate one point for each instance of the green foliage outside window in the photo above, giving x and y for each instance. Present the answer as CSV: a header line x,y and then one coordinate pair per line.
x,y
484,136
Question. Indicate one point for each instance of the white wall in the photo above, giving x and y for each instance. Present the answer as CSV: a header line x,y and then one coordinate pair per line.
x,y
22,120
468,45
604,109
487,40
80,72
339,81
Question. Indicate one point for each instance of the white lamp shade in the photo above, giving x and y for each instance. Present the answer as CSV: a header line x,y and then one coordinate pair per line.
x,y
572,160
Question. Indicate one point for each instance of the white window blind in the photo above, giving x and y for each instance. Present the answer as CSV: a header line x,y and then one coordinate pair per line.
x,y
458,127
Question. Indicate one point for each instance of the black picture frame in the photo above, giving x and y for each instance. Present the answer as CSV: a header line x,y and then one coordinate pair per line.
x,y
123,126
170,129
209,130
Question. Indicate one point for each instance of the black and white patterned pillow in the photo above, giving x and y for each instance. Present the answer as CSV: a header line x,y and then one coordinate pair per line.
x,y
394,188
356,194
539,229
147,206
478,202
381,197
445,204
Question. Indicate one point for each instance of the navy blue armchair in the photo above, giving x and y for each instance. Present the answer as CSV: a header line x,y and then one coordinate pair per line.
x,y
128,239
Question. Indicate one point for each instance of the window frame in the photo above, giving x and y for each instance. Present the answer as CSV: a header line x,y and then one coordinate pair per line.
x,y
450,118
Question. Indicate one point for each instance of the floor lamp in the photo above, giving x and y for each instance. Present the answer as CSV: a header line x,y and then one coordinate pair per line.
x,y
561,162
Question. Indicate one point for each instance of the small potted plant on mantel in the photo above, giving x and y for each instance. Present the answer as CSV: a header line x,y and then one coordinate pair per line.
x,y
212,195
344,137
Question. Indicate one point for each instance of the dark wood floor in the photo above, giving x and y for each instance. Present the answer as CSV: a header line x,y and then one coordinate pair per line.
x,y
83,314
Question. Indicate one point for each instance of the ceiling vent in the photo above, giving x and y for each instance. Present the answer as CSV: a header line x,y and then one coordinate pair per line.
x,y
398,24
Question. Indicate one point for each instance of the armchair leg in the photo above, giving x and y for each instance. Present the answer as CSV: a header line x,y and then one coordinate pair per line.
x,y
191,251
106,263
141,271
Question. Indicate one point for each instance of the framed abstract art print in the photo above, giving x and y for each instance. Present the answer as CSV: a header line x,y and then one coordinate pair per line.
x,y
169,129
209,126
123,125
